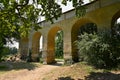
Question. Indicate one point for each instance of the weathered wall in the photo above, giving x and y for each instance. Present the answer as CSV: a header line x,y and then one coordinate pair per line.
x,y
23,48
101,13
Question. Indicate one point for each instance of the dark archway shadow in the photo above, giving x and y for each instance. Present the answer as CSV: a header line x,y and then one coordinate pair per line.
x,y
7,66
102,76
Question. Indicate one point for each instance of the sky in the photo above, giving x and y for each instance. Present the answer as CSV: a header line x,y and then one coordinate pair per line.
x,y
14,44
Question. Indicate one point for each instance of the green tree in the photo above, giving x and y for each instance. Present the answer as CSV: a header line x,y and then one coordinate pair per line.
x,y
23,15
18,17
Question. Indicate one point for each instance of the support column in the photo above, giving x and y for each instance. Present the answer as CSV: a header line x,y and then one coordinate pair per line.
x,y
30,46
35,56
44,51
23,48
35,51
67,49
48,51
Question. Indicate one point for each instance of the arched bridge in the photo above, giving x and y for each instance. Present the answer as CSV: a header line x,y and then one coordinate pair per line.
x,y
103,13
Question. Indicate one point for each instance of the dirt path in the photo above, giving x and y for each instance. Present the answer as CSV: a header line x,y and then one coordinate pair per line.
x,y
56,72
25,74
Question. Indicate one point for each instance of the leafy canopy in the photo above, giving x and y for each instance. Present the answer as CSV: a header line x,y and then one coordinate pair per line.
x,y
18,17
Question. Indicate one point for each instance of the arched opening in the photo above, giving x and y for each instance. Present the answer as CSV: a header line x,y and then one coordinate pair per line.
x,y
116,28
59,46
115,24
115,40
55,43
37,45
80,27
41,44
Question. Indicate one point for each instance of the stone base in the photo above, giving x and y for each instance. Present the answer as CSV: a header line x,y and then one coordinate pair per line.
x,y
35,58
68,61
52,62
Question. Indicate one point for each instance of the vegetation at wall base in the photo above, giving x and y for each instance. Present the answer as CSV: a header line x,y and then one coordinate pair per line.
x,y
99,49
59,45
7,52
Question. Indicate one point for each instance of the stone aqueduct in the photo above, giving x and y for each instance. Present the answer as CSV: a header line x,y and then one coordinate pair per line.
x,y
101,12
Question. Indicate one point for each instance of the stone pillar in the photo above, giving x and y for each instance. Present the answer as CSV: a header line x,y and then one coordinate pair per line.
x,y
44,50
23,48
50,56
48,50
35,55
67,49
35,51
30,46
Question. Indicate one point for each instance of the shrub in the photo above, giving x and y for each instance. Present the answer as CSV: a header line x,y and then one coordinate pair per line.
x,y
6,51
99,49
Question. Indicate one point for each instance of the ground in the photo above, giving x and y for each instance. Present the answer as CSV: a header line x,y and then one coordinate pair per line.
x,y
37,71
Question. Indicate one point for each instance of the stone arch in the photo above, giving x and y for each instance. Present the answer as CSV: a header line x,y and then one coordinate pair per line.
x,y
74,36
36,46
51,44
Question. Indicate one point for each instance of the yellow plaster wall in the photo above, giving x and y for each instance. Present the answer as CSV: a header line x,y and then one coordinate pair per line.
x,y
35,46
101,16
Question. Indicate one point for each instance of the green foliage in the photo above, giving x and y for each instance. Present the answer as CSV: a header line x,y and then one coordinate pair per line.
x,y
101,49
80,10
50,9
5,51
88,28
18,17
13,50
22,15
59,45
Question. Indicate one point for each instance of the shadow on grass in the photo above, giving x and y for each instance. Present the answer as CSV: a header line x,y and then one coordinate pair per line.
x,y
102,76
67,78
96,76
7,66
